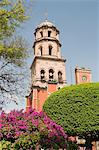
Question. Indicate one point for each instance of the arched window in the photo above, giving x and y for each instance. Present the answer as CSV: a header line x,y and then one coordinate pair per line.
x,y
49,33
60,79
41,51
51,74
41,34
42,74
50,50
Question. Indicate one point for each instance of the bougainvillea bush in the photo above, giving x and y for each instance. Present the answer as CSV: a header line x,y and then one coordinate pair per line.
x,y
20,130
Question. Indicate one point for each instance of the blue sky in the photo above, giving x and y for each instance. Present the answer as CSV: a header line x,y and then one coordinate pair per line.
x,y
78,22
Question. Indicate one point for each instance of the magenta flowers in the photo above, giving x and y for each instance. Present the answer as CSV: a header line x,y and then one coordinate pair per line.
x,y
32,129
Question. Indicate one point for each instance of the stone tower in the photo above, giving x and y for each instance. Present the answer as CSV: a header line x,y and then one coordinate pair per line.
x,y
48,67
48,64
82,75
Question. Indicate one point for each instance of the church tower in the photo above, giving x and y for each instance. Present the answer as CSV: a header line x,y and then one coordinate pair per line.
x,y
48,67
48,64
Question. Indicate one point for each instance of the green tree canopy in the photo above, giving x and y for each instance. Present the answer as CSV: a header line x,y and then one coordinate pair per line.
x,y
13,48
76,109
12,14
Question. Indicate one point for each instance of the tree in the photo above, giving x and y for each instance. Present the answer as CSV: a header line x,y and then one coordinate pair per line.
x,y
13,49
76,109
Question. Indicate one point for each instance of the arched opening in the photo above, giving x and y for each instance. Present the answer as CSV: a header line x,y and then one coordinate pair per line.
x,y
60,79
41,51
42,74
50,50
49,33
51,74
41,34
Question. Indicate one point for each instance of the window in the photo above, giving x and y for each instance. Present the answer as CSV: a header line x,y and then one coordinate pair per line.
x,y
60,77
42,73
50,50
51,74
49,33
34,51
41,34
41,52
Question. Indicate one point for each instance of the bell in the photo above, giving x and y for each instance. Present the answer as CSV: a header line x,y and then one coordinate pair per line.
x,y
42,74
50,74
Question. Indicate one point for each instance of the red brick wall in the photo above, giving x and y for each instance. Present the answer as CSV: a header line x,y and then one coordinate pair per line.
x,y
94,145
41,97
34,100
52,87
80,73
28,104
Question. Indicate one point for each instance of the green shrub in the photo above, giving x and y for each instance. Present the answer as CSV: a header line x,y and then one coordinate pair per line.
x,y
75,108
5,145
27,141
72,145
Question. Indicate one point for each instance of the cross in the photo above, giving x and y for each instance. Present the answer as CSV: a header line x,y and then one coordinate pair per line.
x,y
46,15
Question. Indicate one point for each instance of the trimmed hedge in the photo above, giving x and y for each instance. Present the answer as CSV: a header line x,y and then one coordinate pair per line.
x,y
75,108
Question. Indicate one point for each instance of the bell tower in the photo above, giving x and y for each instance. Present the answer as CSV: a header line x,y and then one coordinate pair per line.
x,y
48,67
48,64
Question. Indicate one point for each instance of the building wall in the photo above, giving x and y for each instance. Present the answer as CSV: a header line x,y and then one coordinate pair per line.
x,y
82,75
45,30
51,88
45,48
46,65
38,97
28,103
41,97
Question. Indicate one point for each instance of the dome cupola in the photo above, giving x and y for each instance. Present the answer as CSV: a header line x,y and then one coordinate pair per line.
x,y
46,23
47,40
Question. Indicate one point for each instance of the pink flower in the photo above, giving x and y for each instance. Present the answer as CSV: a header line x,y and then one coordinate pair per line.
x,y
0,125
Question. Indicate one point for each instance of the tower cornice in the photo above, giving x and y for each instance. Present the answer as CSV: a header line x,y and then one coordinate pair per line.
x,y
46,39
47,58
